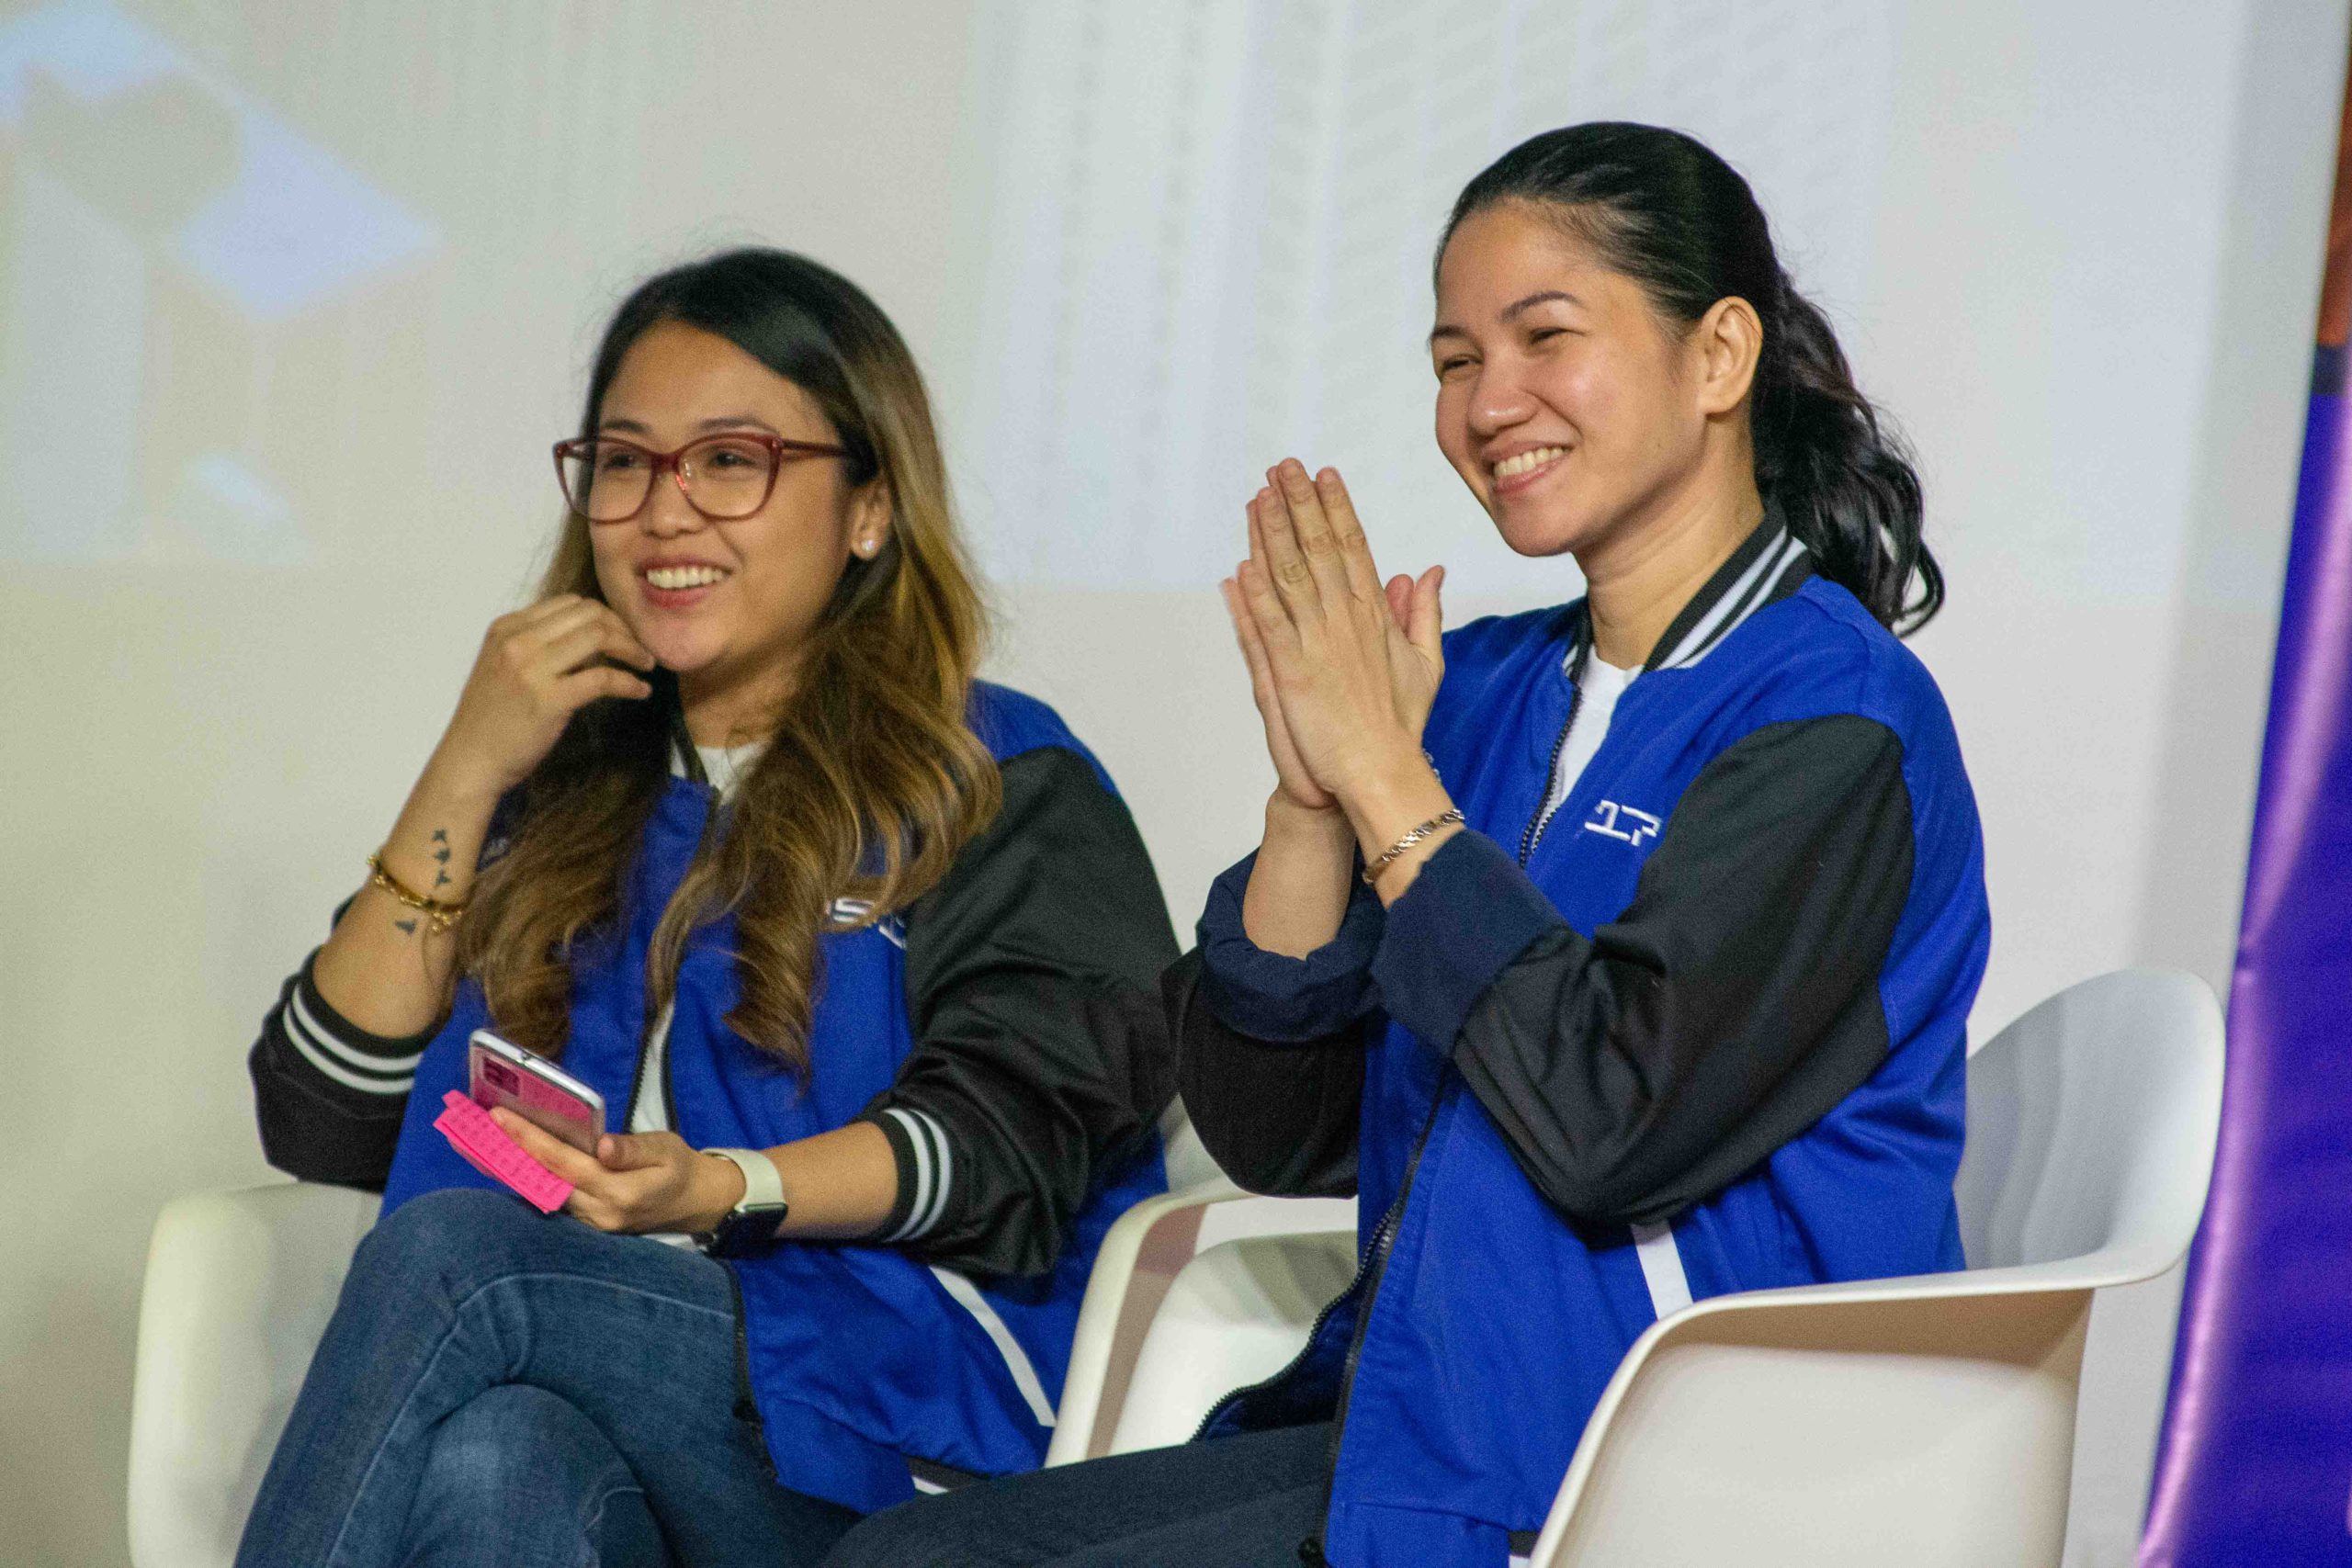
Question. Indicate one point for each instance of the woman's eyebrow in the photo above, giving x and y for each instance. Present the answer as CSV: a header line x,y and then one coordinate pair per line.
x,y
723,422
1548,297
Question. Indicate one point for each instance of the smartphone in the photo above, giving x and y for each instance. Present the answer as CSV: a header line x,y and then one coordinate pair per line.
x,y
534,1088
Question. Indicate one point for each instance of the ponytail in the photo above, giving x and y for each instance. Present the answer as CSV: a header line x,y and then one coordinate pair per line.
x,y
1842,482
1670,215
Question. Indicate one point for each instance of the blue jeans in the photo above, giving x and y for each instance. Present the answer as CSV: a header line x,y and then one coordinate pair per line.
x,y
498,1386
1252,1501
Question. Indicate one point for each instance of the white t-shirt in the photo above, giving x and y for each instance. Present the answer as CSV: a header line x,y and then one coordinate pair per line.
x,y
1602,685
723,766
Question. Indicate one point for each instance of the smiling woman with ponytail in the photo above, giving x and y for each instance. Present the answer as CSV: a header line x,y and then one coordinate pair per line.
x,y
1612,954
1667,214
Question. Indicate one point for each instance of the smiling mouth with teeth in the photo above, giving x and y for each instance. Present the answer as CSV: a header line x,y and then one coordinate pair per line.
x,y
673,577
1510,468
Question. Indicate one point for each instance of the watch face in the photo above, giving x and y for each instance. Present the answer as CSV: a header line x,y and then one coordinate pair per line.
x,y
753,1225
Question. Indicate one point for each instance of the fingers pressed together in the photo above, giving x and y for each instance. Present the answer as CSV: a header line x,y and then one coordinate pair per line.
x,y
1309,559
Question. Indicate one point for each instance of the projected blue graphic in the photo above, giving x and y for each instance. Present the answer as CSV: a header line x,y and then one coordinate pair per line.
x,y
136,175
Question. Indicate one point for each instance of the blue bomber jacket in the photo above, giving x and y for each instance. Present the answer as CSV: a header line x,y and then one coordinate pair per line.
x,y
1700,1029
1004,1032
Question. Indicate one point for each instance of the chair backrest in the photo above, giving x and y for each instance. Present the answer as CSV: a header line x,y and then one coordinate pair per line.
x,y
239,1288
2091,1123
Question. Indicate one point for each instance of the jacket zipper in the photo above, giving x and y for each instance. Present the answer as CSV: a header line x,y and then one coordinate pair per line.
x,y
669,1088
1544,810
747,1403
1375,1266
691,761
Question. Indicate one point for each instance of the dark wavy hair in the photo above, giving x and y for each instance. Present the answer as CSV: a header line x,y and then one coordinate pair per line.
x,y
871,779
1664,211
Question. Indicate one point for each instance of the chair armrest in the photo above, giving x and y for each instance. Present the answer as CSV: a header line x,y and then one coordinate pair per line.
x,y
1138,1261
238,1289
1732,1428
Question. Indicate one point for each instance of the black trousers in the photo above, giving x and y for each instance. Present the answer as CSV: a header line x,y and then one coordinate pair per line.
x,y
1245,1502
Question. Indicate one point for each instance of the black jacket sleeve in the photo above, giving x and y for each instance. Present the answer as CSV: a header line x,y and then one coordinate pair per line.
x,y
1272,1046
1733,1003
1278,1117
1042,1049
329,1095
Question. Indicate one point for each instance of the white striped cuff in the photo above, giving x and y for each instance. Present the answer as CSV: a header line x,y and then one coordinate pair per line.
x,y
932,1175
337,1057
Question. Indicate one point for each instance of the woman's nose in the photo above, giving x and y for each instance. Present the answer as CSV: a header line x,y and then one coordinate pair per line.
x,y
667,511
1498,402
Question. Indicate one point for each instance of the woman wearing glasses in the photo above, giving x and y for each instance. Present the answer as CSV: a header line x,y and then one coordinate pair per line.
x,y
859,950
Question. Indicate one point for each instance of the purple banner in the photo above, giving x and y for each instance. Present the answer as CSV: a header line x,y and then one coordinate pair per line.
x,y
2254,1469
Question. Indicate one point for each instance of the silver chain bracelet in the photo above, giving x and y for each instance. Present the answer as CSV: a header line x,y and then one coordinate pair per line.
x,y
1373,870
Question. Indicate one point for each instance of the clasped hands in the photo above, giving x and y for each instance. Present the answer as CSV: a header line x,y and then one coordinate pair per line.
x,y
1343,667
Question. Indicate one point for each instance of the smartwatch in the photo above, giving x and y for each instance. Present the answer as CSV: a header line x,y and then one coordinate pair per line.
x,y
751,1224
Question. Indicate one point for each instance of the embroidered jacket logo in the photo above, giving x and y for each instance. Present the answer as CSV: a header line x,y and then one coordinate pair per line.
x,y
850,914
1611,820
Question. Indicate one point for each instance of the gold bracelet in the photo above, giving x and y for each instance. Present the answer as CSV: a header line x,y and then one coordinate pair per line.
x,y
439,914
1373,870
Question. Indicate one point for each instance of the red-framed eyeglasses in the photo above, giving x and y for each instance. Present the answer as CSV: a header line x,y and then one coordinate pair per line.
x,y
725,477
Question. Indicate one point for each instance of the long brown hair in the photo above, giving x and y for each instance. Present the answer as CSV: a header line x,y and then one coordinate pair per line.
x,y
872,779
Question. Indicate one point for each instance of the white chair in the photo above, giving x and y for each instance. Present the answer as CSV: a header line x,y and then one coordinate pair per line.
x,y
1198,1292
1924,1421
239,1288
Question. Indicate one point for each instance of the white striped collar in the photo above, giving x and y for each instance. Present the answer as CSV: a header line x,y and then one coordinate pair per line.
x,y
1769,565
1750,590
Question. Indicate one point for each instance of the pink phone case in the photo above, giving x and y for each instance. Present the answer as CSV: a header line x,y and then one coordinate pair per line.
x,y
545,1105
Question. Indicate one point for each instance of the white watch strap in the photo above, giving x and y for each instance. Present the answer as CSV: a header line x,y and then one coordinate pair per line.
x,y
762,1185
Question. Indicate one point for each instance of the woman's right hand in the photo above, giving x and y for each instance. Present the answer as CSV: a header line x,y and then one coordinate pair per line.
x,y
538,667
1304,872
387,967
1293,785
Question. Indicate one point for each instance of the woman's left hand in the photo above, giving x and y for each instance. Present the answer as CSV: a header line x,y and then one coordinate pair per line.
x,y
636,1181
1355,662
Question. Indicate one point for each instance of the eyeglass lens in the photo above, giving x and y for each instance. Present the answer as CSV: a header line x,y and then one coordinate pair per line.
x,y
725,477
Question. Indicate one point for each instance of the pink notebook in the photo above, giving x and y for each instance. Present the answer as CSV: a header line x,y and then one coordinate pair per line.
x,y
489,1150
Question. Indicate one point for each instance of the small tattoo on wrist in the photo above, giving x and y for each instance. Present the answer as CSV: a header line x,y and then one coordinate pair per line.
x,y
440,835
440,879
409,927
